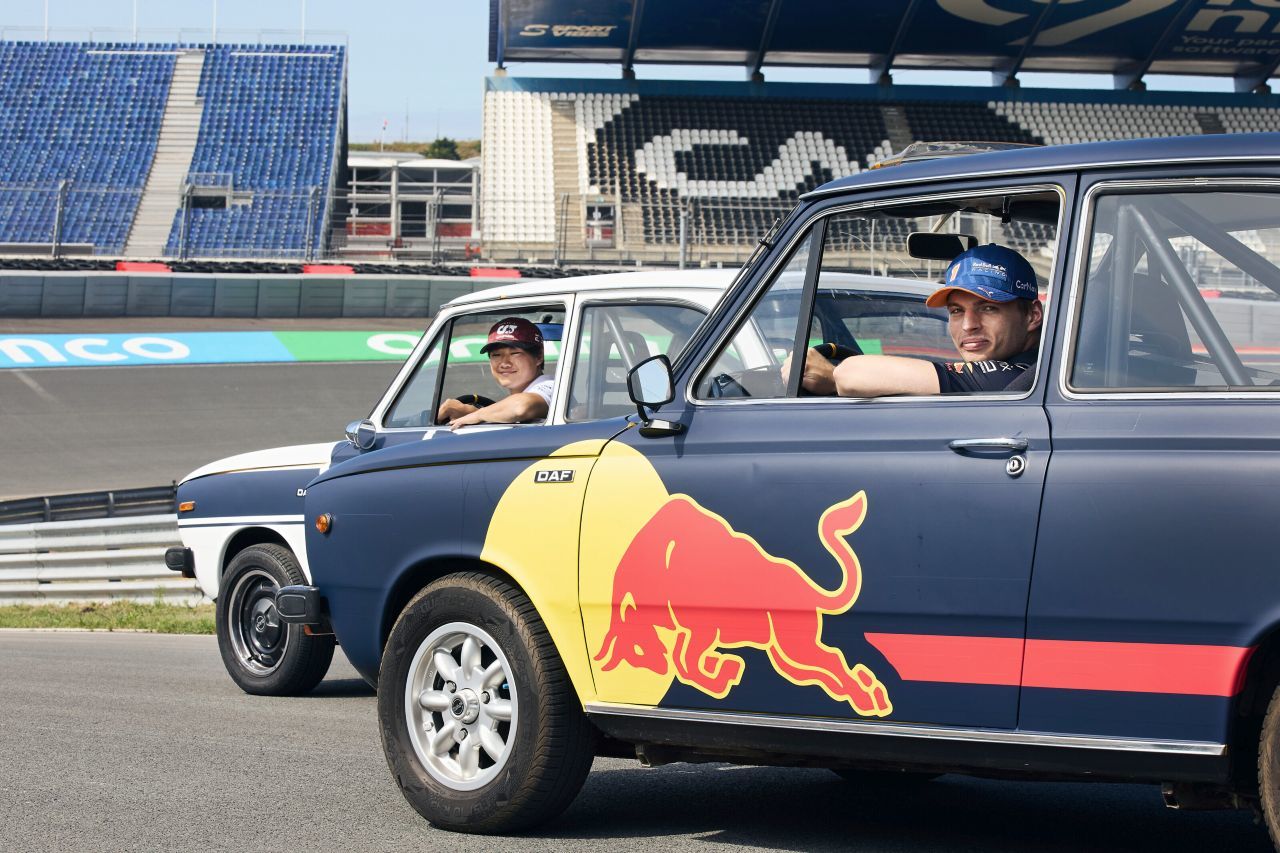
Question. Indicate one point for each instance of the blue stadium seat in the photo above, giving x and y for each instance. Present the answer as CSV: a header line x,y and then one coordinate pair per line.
x,y
271,121
87,114
90,115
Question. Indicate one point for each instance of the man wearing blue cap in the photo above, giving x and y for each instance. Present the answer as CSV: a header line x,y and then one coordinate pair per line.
x,y
994,319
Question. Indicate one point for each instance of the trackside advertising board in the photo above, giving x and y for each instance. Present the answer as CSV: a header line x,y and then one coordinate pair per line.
x,y
118,350
124,350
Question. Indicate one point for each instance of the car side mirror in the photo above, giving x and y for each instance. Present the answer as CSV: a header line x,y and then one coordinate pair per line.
x,y
362,433
649,384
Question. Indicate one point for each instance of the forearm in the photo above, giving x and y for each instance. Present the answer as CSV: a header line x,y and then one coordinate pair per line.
x,y
885,375
518,408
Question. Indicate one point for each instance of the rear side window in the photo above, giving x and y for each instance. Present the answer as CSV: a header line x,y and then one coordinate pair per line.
x,y
1182,293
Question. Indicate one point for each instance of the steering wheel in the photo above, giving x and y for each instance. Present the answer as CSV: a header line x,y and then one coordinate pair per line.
x,y
837,353
834,353
471,400
722,385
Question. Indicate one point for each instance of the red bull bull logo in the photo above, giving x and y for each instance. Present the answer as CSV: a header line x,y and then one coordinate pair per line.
x,y
691,578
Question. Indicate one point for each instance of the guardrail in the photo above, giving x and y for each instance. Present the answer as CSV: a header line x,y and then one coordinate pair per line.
x,y
61,562
122,502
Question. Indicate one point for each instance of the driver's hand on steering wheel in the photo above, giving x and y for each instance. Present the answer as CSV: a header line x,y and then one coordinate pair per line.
x,y
452,409
818,376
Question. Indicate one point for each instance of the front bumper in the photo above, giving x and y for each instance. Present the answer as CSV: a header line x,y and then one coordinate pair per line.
x,y
302,605
181,560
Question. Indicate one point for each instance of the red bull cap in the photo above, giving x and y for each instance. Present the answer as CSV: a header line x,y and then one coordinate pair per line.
x,y
514,332
995,273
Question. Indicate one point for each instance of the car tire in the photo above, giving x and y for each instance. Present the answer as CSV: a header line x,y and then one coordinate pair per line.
x,y
480,724
1269,768
264,656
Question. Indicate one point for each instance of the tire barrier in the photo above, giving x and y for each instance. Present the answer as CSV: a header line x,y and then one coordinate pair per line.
x,y
62,562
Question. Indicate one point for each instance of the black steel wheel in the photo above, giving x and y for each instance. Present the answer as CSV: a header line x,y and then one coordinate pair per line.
x,y
262,654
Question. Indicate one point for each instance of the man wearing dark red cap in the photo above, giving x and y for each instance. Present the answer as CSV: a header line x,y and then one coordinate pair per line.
x,y
994,317
514,348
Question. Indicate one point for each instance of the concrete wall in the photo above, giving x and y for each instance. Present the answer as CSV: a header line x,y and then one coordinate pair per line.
x,y
94,294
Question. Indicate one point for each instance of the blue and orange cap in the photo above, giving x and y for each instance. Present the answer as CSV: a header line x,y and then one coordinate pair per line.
x,y
990,272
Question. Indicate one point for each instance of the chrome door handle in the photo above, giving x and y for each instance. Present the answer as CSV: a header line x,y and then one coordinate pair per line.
x,y
1012,445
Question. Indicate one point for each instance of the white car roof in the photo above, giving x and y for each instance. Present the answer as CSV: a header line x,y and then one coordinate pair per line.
x,y
711,279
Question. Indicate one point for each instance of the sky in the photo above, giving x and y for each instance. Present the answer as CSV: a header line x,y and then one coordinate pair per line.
x,y
418,65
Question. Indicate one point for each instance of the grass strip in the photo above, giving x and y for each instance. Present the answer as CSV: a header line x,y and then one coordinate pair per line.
x,y
157,617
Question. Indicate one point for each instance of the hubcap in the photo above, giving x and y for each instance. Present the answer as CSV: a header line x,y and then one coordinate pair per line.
x,y
460,706
257,634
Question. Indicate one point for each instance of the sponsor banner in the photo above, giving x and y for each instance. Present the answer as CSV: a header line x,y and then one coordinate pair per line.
x,y
121,350
1077,35
124,350
348,346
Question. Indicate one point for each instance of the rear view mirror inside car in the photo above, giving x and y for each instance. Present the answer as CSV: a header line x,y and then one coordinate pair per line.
x,y
938,247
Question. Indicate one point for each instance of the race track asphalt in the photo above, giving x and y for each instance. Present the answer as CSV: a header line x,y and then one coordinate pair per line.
x,y
115,742
93,429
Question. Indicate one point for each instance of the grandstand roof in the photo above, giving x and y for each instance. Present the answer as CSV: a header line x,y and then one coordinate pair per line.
x,y
1126,38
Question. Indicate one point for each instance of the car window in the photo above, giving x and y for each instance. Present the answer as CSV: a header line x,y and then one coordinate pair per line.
x,y
1182,294
750,362
613,339
413,406
870,290
466,369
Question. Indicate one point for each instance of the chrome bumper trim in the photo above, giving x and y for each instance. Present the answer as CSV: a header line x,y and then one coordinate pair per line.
x,y
903,730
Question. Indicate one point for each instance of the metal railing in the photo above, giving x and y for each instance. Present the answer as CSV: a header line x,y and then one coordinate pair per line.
x,y
97,560
577,228
65,219
87,505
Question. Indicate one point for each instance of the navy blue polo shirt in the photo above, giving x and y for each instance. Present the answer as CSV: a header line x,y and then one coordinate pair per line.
x,y
969,377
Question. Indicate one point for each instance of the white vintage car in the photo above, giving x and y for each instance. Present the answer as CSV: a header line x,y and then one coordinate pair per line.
x,y
241,517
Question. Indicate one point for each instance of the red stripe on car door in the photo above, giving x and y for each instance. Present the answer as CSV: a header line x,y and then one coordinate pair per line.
x,y
1193,670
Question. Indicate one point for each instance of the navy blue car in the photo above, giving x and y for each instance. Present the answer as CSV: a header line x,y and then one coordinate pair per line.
x,y
1066,577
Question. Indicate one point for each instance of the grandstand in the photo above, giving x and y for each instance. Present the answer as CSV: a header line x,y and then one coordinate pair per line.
x,y
173,150
203,153
728,158
85,117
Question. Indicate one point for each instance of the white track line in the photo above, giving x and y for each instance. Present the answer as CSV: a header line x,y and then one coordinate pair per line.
x,y
35,386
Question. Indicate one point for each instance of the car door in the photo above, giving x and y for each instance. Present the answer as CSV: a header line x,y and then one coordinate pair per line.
x,y
1155,568
816,556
